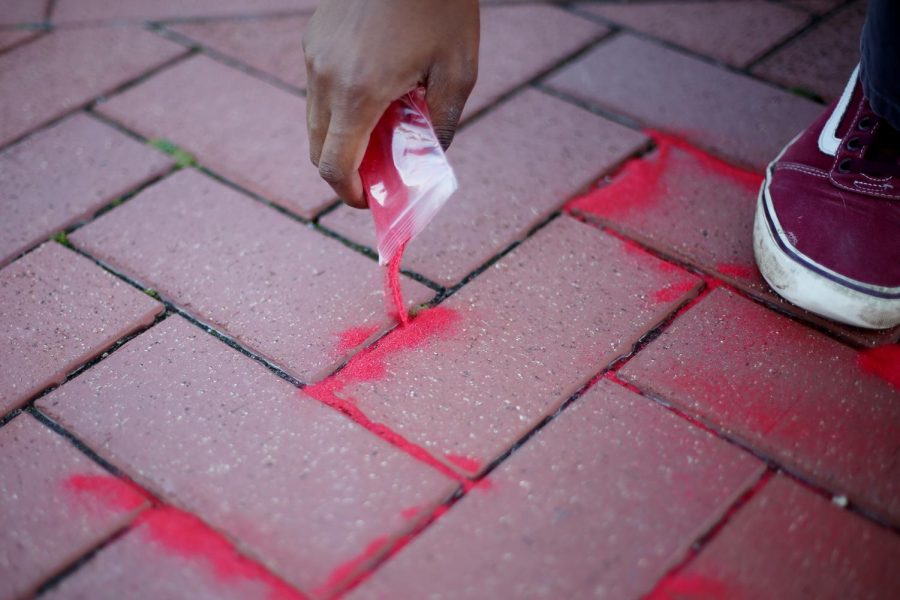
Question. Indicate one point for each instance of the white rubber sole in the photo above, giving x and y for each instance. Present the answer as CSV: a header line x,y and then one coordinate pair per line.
x,y
808,289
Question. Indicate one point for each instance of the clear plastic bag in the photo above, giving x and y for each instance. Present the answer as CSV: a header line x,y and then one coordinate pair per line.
x,y
405,174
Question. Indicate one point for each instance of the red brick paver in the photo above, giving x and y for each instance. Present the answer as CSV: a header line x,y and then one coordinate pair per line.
x,y
56,505
57,311
292,482
23,11
821,59
240,127
516,343
139,10
64,174
815,6
744,120
787,542
733,32
700,210
600,503
271,283
171,554
65,69
520,42
788,390
512,183
11,37
272,45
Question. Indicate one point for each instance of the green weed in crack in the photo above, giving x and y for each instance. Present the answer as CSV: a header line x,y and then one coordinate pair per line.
x,y
182,157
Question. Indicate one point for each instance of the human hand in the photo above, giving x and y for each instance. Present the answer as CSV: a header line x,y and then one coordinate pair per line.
x,y
363,54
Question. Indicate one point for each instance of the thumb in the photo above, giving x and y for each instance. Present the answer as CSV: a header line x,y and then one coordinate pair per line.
x,y
446,97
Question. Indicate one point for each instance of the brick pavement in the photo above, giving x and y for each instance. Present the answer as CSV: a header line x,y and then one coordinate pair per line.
x,y
204,396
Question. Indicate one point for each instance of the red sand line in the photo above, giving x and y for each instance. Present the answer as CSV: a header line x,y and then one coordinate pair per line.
x,y
640,182
399,544
353,337
465,463
689,586
673,585
673,291
352,567
737,271
369,365
184,534
393,285
883,362
108,491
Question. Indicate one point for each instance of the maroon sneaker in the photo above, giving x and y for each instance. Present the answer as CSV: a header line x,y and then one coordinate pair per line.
x,y
827,231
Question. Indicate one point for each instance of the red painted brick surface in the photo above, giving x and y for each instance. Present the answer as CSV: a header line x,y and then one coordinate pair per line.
x,y
294,483
283,290
732,32
815,6
57,311
238,126
689,205
600,503
272,45
788,542
525,335
140,10
67,68
23,11
731,115
520,42
509,179
145,565
793,393
822,58
64,174
48,516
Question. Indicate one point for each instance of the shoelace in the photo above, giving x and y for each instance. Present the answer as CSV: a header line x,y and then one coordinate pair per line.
x,y
875,166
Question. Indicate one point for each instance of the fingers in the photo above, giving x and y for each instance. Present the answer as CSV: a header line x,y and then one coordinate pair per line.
x,y
348,130
446,96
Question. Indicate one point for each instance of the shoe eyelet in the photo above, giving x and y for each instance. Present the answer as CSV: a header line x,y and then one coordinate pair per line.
x,y
853,144
866,123
844,166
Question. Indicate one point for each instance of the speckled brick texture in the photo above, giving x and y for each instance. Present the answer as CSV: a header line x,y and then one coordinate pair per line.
x,y
294,483
271,45
822,552
518,43
67,68
519,340
23,11
140,10
689,205
508,183
242,128
169,555
787,390
821,59
64,174
552,525
744,120
56,505
732,32
282,289
57,311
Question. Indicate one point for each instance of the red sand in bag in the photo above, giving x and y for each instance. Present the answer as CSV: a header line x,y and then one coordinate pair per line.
x,y
407,179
